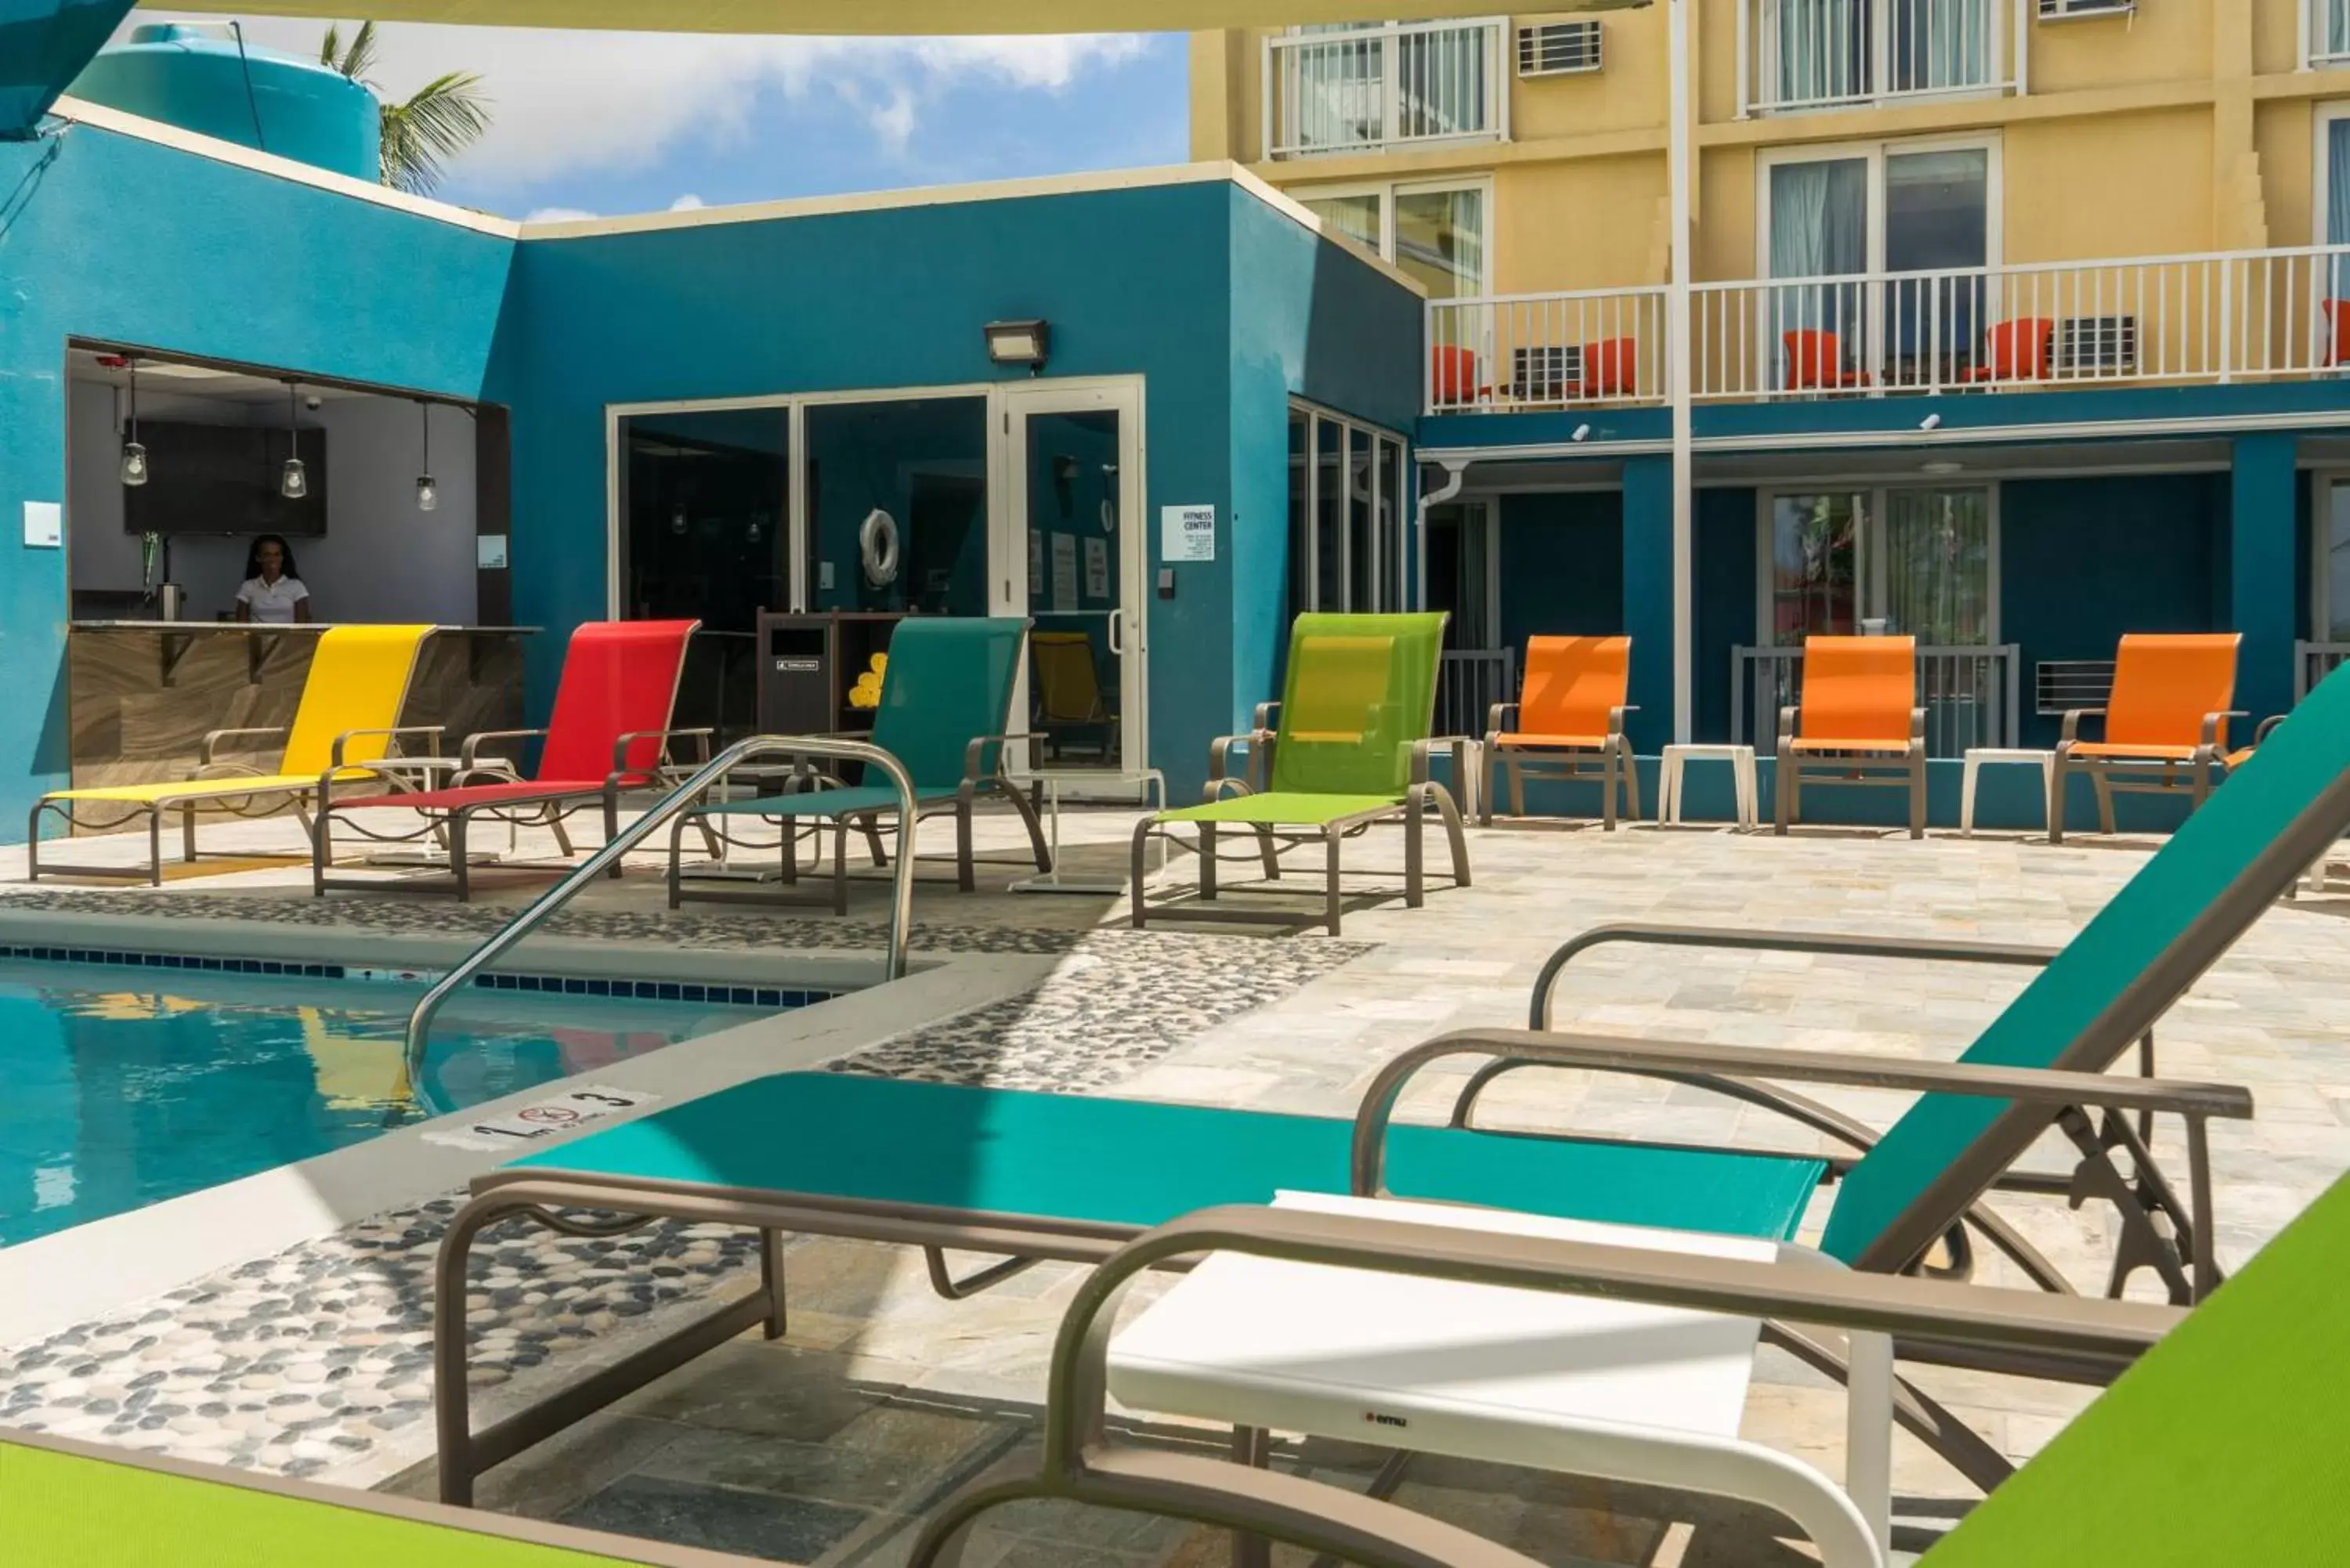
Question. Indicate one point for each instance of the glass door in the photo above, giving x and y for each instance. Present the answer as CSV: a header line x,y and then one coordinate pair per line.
x,y
1071,556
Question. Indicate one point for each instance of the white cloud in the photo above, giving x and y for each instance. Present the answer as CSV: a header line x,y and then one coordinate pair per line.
x,y
558,215
566,101
688,203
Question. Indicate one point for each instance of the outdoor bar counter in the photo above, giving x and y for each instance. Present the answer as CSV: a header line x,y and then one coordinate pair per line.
x,y
143,694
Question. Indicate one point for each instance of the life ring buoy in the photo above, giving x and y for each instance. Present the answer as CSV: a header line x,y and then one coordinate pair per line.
x,y
876,544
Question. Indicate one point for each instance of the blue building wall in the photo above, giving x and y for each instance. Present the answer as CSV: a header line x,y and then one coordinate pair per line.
x,y
110,237
1562,557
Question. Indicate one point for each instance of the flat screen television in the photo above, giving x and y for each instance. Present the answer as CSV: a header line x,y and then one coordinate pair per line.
x,y
224,479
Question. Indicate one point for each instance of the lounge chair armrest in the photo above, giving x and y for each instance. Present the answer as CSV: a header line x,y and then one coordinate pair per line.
x,y
1917,723
620,745
2212,722
209,745
1693,1060
1789,716
1219,759
1929,949
2072,717
979,745
471,749
1616,717
390,732
1498,715
2267,724
1264,717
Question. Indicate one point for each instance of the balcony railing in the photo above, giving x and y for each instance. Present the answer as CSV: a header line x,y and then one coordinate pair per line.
x,y
2223,317
1473,681
1547,350
1969,695
1827,54
1385,85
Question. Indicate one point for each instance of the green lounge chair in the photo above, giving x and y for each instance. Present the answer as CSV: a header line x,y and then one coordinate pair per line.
x,y
1352,750
945,712
69,1505
1023,1175
2221,1442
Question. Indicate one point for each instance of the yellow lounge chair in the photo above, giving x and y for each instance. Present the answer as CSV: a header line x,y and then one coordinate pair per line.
x,y
349,716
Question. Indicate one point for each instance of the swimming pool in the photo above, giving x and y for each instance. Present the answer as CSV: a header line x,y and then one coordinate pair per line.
x,y
121,1089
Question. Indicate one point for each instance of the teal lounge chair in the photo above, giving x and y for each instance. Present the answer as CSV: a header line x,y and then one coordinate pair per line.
x,y
1352,750
945,712
2221,1442
1024,1176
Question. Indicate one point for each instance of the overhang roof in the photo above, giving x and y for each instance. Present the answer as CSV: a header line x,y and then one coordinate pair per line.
x,y
871,17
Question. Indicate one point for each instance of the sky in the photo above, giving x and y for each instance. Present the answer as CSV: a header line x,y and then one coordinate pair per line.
x,y
604,123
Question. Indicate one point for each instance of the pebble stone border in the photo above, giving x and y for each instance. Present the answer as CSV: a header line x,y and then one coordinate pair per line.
x,y
320,1356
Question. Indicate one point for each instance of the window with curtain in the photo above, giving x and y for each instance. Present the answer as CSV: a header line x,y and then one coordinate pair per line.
x,y
1938,583
1817,51
1940,44
1819,228
2337,562
1357,217
1439,239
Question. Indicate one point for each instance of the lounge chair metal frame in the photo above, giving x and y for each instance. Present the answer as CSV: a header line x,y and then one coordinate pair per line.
x,y
977,781
558,1199
1257,744
1080,1465
1877,769
2110,776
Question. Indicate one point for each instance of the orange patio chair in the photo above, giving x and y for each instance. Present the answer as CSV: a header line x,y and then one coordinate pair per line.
x,y
1454,376
2337,334
1815,362
2166,723
2016,350
1569,712
1856,722
1611,368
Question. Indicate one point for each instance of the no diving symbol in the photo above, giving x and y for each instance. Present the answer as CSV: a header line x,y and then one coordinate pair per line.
x,y
554,1114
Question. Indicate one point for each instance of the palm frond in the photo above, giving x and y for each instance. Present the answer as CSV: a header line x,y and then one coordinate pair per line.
x,y
355,60
444,116
330,48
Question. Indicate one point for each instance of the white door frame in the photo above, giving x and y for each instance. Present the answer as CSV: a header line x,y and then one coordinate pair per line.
x,y
1010,405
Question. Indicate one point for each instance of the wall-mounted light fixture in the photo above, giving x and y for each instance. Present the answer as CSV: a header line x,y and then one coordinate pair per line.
x,y
134,456
428,494
1028,343
294,483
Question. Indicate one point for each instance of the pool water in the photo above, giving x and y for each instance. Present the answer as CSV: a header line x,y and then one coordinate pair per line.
x,y
121,1090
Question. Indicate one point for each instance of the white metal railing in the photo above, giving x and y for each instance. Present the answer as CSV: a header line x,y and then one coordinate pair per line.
x,y
2223,317
1385,85
2325,32
1970,695
1823,54
1538,351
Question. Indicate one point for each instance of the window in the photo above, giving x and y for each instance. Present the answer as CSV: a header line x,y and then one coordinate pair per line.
x,y
1812,53
1558,49
1357,87
1438,234
1923,220
1921,559
2330,582
1349,497
2059,10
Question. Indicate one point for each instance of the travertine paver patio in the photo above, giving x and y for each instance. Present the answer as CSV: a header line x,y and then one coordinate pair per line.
x,y
820,1449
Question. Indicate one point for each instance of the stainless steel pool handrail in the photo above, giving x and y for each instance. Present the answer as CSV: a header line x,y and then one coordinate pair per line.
x,y
901,902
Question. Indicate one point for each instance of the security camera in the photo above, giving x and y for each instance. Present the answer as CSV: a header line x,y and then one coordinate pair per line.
x,y
314,402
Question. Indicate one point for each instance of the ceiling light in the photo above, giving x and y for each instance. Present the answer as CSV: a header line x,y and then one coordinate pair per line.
x,y
190,372
294,483
1939,465
134,456
428,494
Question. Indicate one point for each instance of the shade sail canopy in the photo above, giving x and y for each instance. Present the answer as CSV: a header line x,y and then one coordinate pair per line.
x,y
872,18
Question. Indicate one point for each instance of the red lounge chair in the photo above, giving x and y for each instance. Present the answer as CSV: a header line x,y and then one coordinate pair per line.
x,y
1815,362
1455,376
2337,333
610,733
1611,368
2016,350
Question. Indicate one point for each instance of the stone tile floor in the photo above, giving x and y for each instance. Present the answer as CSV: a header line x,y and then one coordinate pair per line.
x,y
821,1449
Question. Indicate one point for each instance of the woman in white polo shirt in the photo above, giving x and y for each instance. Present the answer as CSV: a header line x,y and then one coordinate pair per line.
x,y
272,593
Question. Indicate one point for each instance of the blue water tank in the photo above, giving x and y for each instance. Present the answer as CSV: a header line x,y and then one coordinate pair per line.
x,y
202,82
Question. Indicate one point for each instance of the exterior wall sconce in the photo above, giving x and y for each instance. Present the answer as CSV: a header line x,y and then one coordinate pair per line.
x,y
1028,343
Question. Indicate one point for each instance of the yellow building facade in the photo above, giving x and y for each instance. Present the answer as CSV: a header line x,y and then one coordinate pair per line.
x,y
2082,130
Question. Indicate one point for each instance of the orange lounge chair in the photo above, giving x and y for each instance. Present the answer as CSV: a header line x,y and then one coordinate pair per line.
x,y
1570,710
1815,362
2166,723
1856,721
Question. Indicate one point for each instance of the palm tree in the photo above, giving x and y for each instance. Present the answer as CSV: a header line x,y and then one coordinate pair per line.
x,y
441,119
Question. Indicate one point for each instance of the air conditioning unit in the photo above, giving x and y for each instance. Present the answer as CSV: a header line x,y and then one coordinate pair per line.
x,y
1558,49
2061,10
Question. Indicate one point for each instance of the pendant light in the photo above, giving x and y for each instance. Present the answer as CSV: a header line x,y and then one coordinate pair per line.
x,y
134,456
428,494
294,483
